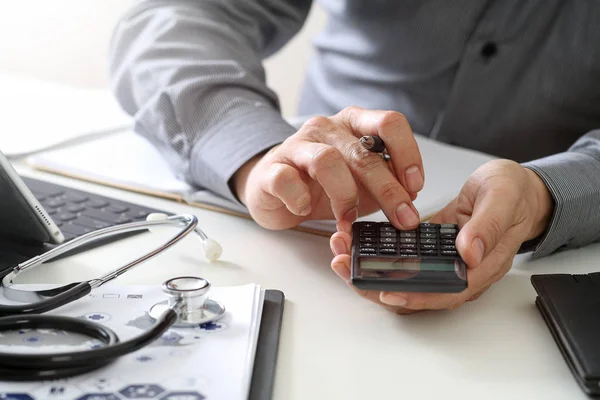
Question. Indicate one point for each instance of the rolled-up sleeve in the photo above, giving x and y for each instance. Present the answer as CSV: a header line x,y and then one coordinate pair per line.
x,y
191,75
573,179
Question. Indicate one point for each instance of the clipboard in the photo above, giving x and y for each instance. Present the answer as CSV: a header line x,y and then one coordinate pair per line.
x,y
265,361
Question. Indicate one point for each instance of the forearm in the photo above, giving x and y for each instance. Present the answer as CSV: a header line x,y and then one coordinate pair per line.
x,y
573,179
190,73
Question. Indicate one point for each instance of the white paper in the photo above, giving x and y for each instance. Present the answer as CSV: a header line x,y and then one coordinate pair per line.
x,y
38,115
210,362
128,159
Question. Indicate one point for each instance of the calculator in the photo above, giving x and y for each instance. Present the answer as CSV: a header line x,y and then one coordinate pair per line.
x,y
420,260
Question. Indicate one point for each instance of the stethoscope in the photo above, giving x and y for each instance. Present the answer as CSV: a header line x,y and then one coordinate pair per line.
x,y
187,306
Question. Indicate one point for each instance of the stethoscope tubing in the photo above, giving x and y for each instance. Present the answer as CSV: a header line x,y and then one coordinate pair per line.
x,y
31,367
76,292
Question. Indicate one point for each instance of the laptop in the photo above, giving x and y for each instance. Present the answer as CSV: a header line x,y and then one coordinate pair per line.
x,y
570,306
36,216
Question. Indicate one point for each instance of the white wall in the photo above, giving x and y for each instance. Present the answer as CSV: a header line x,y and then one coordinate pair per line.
x,y
66,41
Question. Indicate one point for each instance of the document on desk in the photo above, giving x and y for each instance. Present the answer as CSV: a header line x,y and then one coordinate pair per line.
x,y
129,161
40,115
210,361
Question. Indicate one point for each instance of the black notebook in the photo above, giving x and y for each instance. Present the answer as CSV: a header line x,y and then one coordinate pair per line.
x,y
570,306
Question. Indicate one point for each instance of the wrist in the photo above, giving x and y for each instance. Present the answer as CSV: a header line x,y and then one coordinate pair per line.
x,y
240,178
543,205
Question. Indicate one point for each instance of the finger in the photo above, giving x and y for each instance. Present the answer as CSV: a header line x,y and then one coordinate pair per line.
x,y
395,131
285,183
492,217
446,215
374,175
326,165
340,243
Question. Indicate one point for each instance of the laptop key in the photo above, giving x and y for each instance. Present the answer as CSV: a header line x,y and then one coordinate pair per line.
x,y
90,223
66,216
117,209
97,203
75,198
105,216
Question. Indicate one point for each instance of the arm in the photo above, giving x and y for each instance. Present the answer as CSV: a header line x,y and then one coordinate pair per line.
x,y
573,179
190,73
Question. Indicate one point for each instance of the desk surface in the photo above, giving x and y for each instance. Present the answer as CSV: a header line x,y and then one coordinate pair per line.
x,y
336,345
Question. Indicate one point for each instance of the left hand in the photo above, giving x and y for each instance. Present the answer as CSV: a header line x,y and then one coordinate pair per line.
x,y
501,206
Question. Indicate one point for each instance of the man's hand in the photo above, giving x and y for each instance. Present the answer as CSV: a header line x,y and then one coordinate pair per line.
x,y
322,172
501,206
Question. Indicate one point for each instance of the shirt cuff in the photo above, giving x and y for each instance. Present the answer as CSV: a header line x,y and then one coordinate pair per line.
x,y
571,178
230,144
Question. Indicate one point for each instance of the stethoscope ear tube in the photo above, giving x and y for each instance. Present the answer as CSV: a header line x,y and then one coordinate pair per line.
x,y
32,367
76,292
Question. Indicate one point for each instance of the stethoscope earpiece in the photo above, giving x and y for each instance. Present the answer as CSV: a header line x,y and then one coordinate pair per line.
x,y
212,249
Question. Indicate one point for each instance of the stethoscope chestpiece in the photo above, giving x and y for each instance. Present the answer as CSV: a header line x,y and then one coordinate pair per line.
x,y
187,297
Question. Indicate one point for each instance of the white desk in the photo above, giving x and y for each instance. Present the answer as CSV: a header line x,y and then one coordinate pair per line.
x,y
336,345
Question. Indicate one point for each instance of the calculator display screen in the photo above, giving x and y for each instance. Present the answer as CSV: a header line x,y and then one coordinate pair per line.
x,y
405,264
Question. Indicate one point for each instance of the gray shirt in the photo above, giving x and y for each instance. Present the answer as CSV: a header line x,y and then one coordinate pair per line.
x,y
517,79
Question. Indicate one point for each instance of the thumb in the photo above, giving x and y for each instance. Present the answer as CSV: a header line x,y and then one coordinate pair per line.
x,y
492,216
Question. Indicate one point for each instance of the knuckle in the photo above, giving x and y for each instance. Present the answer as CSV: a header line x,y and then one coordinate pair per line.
x,y
392,118
362,159
317,122
494,228
281,176
389,191
326,158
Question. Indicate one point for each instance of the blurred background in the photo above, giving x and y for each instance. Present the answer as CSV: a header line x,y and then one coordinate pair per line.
x,y
66,41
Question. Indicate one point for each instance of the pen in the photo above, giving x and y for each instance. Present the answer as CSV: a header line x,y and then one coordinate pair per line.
x,y
375,144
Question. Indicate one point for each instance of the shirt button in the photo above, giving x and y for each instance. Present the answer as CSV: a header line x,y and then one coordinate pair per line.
x,y
489,50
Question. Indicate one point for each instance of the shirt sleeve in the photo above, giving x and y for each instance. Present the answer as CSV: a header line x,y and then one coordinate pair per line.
x,y
573,179
191,75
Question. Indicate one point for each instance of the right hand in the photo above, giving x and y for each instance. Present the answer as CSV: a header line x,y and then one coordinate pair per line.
x,y
323,172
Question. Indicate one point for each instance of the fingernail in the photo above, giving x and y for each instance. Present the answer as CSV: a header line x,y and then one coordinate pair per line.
x,y
338,247
351,215
477,246
393,300
414,179
406,216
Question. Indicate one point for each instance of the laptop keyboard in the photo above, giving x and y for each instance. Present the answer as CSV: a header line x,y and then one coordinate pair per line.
x,y
77,212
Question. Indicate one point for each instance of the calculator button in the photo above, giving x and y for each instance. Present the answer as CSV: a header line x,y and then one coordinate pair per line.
x,y
367,233
429,252
448,235
388,251
447,241
367,249
408,251
387,229
428,246
362,253
408,240
368,245
427,225
387,240
449,252
409,234
448,247
408,245
388,234
447,230
448,226
368,225
427,235
428,241
388,245
428,230
367,240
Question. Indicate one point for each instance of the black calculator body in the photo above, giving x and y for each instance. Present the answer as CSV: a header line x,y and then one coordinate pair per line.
x,y
420,260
